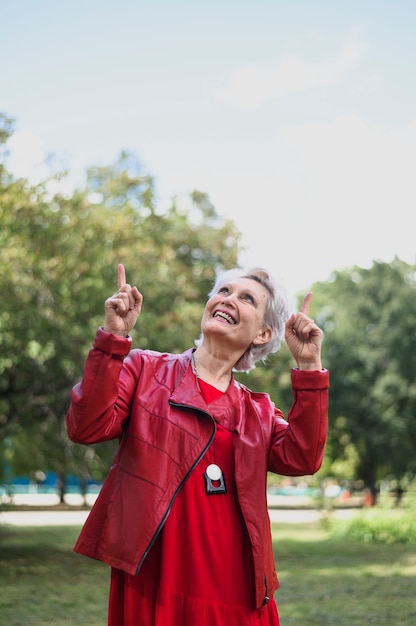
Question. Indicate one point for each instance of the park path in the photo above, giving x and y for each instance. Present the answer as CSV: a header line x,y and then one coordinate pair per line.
x,y
50,517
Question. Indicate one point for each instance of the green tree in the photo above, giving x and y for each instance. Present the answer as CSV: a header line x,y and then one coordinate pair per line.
x,y
58,262
368,316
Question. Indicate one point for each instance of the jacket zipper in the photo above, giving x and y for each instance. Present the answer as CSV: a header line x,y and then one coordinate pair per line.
x,y
164,518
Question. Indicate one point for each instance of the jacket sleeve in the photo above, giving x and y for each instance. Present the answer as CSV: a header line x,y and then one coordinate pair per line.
x,y
99,403
298,447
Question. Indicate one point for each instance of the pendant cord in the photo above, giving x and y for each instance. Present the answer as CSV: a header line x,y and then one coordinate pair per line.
x,y
196,374
213,484
195,371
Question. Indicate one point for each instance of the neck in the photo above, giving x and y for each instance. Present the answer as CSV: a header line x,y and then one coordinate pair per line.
x,y
214,373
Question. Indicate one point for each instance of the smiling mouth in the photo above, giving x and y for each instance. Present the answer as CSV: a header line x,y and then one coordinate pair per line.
x,y
224,316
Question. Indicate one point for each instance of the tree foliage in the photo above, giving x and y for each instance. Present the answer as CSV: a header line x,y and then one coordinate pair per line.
x,y
58,263
368,316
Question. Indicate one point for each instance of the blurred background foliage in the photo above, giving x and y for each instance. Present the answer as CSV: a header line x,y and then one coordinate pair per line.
x,y
58,263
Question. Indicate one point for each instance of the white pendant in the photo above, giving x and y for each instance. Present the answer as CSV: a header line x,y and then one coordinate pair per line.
x,y
214,480
214,472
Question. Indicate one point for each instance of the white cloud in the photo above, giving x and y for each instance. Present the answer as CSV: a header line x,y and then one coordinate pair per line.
x,y
312,199
316,198
29,159
27,156
251,86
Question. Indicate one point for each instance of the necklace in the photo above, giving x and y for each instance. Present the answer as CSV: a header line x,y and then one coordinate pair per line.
x,y
195,371
213,476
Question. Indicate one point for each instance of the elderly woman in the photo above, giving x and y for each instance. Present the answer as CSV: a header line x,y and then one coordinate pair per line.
x,y
182,517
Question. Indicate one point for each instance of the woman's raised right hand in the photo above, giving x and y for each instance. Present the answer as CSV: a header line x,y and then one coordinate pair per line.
x,y
123,308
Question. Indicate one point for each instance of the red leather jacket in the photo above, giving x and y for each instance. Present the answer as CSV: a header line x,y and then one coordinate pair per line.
x,y
150,402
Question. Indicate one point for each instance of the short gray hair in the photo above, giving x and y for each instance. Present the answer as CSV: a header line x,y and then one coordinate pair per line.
x,y
275,316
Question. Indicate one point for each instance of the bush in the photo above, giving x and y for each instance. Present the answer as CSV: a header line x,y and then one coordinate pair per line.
x,y
379,526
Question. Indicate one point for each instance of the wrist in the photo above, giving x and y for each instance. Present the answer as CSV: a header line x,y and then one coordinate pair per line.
x,y
115,332
302,365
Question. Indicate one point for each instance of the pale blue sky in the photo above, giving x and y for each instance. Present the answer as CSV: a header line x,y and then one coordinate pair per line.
x,y
298,118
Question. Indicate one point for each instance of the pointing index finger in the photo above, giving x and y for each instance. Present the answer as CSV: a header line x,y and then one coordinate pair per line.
x,y
121,281
306,302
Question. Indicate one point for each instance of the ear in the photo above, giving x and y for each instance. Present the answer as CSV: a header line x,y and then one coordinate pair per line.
x,y
263,337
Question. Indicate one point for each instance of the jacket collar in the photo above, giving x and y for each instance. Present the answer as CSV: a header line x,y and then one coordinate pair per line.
x,y
186,393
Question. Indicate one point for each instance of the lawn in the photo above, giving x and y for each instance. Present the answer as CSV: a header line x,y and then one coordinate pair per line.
x,y
43,582
342,582
323,580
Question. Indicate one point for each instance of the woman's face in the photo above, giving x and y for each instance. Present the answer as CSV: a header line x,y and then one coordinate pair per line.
x,y
236,313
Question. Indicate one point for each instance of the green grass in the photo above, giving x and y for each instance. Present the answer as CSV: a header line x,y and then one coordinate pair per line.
x,y
342,582
43,582
326,579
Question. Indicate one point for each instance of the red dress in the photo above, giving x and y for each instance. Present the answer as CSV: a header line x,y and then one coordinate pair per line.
x,y
200,570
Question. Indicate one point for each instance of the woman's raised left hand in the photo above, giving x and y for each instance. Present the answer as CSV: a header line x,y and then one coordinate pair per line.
x,y
304,338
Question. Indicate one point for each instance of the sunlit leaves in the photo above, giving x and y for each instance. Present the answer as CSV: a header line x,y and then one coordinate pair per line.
x,y
58,263
370,349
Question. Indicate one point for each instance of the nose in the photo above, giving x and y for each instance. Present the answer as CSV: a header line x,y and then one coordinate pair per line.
x,y
228,299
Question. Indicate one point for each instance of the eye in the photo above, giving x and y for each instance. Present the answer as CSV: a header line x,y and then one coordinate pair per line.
x,y
248,297
223,290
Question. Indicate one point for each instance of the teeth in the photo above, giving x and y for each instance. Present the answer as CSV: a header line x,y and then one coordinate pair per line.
x,y
224,316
